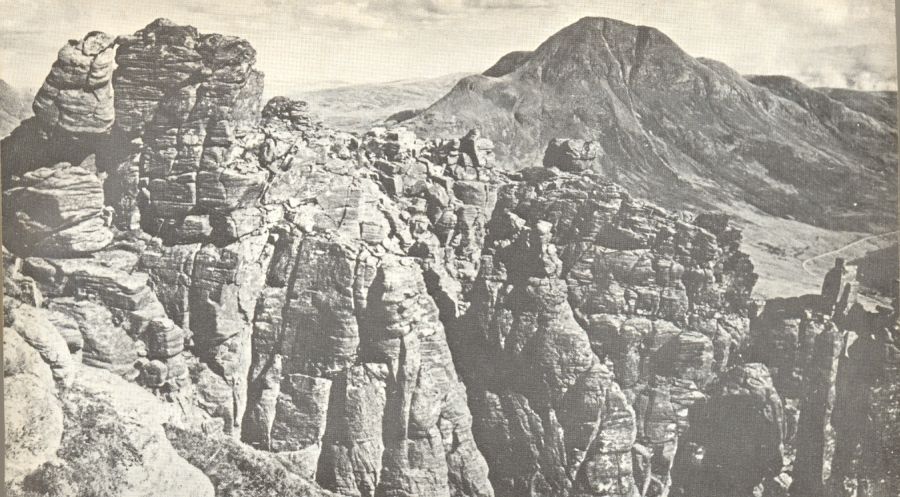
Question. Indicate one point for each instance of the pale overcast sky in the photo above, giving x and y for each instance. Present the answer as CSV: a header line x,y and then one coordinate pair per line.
x,y
309,44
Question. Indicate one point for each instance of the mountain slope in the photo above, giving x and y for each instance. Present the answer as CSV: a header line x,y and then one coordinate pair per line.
x,y
15,106
359,107
881,105
680,129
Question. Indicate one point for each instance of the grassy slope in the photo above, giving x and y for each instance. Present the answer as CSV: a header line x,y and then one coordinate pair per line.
x,y
780,247
237,470
359,107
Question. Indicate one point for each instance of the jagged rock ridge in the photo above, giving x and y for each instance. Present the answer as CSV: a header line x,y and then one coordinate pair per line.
x,y
380,315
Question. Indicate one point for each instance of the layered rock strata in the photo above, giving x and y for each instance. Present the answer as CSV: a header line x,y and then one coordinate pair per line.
x,y
388,316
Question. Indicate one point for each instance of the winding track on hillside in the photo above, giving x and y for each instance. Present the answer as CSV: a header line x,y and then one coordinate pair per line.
x,y
838,250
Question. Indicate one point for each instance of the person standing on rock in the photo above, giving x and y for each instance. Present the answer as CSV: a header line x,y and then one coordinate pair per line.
x,y
831,286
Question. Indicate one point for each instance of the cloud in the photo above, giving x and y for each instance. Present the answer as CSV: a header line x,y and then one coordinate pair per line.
x,y
861,67
822,42
388,14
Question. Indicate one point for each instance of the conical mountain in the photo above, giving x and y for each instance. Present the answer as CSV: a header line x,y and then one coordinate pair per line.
x,y
684,130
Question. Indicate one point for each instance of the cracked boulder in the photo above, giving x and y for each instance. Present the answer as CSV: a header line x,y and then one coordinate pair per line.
x,y
77,95
188,97
573,155
56,211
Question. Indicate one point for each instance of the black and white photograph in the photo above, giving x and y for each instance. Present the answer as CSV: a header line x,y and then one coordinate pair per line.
x,y
450,248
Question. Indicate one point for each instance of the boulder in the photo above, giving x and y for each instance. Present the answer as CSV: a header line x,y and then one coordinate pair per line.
x,y
188,97
56,211
33,415
104,344
35,327
77,95
573,155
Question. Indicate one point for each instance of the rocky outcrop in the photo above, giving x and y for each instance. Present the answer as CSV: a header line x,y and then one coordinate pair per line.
x,y
384,315
821,348
550,418
736,438
56,211
251,302
866,409
660,299
77,95
53,198
185,95
351,379
573,155
64,419
815,346
73,109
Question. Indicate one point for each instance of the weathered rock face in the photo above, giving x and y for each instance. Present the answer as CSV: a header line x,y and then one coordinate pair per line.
x,y
573,155
866,416
185,95
364,309
821,347
281,267
351,377
775,340
814,345
77,95
56,211
64,419
111,316
207,71
736,437
549,417
662,300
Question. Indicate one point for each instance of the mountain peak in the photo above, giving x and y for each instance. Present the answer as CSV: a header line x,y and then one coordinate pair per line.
x,y
613,29
686,130
599,45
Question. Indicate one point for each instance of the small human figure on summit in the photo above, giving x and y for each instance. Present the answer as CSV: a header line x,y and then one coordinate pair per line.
x,y
831,286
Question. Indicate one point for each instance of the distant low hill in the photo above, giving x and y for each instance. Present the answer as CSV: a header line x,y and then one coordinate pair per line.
x,y
359,107
15,106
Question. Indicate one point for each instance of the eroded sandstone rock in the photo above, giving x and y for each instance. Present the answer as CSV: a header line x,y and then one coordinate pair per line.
x,y
866,409
77,95
56,211
538,391
661,297
573,155
736,438
33,417
186,95
317,294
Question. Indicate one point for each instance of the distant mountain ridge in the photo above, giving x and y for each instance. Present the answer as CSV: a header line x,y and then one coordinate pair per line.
x,y
685,130
359,107
15,106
